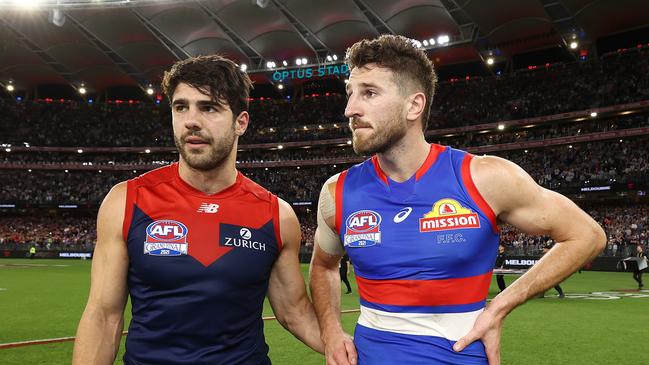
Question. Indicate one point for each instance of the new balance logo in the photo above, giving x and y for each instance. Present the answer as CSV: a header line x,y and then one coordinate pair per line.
x,y
208,208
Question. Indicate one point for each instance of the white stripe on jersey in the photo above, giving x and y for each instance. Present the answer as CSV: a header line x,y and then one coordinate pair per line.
x,y
451,326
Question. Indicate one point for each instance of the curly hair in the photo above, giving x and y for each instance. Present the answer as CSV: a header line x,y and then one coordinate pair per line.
x,y
409,64
214,76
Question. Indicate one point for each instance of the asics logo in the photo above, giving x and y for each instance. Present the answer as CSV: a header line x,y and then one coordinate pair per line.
x,y
208,208
402,215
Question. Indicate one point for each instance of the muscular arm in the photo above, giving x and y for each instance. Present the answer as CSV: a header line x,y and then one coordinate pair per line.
x,y
519,201
100,328
287,291
325,281
516,199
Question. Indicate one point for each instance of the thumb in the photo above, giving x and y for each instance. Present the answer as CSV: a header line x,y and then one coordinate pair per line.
x,y
463,342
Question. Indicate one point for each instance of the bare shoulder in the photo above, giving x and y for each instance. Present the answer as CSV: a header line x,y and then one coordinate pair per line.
x,y
502,183
111,212
289,225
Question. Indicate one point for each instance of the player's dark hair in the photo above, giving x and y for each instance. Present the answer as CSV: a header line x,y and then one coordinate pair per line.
x,y
215,76
409,64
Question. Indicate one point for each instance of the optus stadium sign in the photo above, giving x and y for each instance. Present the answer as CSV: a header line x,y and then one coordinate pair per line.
x,y
311,72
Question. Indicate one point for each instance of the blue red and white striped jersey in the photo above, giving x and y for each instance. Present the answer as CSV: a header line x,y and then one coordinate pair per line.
x,y
199,267
423,252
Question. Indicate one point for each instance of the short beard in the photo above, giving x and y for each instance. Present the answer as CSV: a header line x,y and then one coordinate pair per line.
x,y
216,155
382,140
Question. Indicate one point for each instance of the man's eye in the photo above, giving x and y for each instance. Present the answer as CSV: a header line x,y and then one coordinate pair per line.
x,y
181,108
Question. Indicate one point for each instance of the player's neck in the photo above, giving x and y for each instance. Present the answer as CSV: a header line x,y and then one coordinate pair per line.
x,y
211,181
403,160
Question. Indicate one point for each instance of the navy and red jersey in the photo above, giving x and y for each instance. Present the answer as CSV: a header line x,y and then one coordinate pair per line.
x,y
199,267
423,252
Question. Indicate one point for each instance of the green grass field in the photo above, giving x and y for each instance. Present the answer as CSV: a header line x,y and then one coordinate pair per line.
x,y
42,302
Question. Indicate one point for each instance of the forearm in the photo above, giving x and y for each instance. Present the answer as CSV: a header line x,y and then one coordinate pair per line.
x,y
98,338
303,324
560,262
325,290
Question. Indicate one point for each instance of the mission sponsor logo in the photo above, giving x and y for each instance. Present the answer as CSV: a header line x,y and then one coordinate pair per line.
x,y
363,229
166,238
448,214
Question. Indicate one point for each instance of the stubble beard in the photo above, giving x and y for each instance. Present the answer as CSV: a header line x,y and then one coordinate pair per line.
x,y
381,139
208,158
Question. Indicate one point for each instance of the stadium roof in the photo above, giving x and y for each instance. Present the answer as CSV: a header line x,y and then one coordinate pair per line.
x,y
130,43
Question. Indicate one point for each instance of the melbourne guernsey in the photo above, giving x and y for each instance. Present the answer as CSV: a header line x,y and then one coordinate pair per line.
x,y
198,271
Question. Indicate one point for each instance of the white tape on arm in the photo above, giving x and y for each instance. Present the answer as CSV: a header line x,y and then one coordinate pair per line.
x,y
325,236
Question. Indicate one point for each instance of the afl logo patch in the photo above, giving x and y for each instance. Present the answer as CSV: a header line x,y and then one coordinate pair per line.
x,y
166,238
363,229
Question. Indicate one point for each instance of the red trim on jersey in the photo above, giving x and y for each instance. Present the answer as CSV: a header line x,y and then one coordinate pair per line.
x,y
475,194
339,199
425,292
379,172
435,150
131,192
274,203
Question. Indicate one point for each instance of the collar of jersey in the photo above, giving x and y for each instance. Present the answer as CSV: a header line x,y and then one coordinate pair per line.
x,y
434,151
230,190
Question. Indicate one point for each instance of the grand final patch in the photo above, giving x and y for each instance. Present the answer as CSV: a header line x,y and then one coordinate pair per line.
x,y
166,238
448,214
363,229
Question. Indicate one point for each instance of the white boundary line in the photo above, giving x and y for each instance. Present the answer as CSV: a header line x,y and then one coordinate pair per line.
x,y
72,338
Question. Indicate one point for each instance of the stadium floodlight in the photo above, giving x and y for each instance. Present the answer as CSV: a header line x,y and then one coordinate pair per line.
x,y
298,61
593,114
243,67
280,147
79,150
335,57
150,90
304,61
490,61
284,63
270,64
280,86
431,41
8,149
425,43
10,88
147,151
349,141
574,45
27,4
82,90
30,170
443,39
329,58
501,127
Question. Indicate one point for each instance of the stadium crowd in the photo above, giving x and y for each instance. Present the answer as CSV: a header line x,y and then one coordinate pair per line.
x,y
560,167
610,80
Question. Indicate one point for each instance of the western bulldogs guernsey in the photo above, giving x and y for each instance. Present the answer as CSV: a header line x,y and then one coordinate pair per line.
x,y
198,271
423,251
